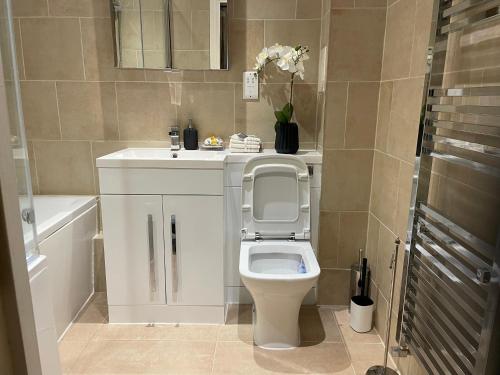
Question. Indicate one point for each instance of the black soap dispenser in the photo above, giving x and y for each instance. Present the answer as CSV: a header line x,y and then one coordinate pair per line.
x,y
190,137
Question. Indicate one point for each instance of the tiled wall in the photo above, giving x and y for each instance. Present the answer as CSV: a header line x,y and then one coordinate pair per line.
x,y
400,102
78,107
356,37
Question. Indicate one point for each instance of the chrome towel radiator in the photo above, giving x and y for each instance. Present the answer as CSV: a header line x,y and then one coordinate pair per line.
x,y
448,313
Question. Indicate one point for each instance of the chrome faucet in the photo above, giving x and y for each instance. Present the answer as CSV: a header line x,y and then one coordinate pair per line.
x,y
175,143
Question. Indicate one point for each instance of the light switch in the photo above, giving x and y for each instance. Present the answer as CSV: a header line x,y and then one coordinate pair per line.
x,y
250,85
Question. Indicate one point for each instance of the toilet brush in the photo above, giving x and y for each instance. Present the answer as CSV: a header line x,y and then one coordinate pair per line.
x,y
384,370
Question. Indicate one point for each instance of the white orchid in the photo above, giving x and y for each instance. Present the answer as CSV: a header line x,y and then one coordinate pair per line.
x,y
288,59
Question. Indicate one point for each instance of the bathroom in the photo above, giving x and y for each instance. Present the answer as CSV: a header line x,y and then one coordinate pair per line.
x,y
180,196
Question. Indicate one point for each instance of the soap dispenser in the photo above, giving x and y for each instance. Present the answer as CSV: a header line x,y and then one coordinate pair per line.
x,y
190,137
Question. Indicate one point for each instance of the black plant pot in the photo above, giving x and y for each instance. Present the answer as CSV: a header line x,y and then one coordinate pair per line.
x,y
287,138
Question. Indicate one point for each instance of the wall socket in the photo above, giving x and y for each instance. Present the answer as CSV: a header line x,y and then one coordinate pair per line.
x,y
250,85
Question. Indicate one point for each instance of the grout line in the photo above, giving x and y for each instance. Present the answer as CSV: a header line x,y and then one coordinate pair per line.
x,y
35,168
58,112
215,352
81,49
117,113
346,111
21,48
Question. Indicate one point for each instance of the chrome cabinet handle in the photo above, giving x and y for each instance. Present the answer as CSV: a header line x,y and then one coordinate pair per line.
x,y
173,236
152,268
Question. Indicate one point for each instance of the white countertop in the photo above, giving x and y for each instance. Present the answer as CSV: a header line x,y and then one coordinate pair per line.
x,y
196,159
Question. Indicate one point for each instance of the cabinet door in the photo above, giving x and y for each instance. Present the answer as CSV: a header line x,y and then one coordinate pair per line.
x,y
134,249
194,248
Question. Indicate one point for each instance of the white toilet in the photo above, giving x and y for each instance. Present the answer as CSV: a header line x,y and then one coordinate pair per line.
x,y
277,263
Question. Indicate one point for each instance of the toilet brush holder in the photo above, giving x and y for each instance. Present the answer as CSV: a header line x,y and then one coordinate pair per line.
x,y
361,313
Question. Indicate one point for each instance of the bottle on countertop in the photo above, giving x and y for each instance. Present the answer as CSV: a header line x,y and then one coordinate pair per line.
x,y
190,137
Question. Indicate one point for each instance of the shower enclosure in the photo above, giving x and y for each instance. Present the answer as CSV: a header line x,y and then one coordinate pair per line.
x,y
11,95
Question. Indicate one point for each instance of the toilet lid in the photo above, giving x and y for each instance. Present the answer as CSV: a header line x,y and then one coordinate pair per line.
x,y
275,198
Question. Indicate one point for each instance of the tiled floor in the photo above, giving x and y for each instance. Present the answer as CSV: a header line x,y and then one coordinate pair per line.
x,y
92,346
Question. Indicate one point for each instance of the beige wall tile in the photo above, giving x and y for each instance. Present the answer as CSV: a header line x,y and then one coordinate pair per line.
x,y
210,106
372,244
32,166
64,167
294,33
398,40
335,114
342,4
99,266
52,48
246,40
29,8
264,9
423,21
405,184
308,9
385,250
87,110
356,42
371,3
384,188
80,8
146,110
333,287
384,115
98,52
361,120
346,180
405,117
329,239
39,102
352,237
19,49
174,75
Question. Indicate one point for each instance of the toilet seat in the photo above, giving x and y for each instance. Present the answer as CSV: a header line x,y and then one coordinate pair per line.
x,y
275,198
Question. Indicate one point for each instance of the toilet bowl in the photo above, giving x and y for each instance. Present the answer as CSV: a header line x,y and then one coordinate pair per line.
x,y
278,274
277,263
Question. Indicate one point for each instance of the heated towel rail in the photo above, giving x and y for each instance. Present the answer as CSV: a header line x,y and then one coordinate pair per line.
x,y
451,276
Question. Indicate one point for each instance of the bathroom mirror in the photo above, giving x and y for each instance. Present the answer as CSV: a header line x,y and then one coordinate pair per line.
x,y
170,34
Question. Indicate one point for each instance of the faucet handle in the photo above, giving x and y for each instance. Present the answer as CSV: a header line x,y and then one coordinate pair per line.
x,y
174,130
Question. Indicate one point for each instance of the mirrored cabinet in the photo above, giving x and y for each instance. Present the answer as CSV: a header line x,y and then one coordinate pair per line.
x,y
170,34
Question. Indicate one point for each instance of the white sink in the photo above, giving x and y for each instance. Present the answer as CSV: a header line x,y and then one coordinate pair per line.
x,y
185,159
163,158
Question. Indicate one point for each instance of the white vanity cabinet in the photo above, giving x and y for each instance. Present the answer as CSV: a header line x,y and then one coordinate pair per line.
x,y
135,251
163,244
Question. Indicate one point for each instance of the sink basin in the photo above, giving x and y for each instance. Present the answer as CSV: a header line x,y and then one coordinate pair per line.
x,y
163,158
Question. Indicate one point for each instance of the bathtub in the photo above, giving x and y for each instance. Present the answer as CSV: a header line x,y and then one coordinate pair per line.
x,y
66,226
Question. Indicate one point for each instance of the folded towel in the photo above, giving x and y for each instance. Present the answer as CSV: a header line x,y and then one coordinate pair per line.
x,y
243,147
245,142
241,137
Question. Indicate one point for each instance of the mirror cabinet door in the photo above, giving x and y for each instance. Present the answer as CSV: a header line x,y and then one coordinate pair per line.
x,y
171,34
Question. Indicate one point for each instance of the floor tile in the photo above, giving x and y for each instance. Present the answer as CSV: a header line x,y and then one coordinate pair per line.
x,y
342,315
69,352
93,313
351,337
318,325
81,331
146,357
364,356
244,358
236,332
170,332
